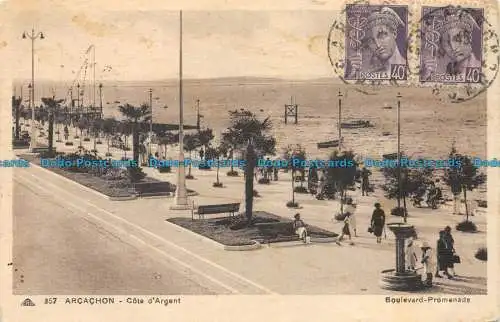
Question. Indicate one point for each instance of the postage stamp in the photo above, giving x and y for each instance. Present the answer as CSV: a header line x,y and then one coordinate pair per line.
x,y
376,42
451,45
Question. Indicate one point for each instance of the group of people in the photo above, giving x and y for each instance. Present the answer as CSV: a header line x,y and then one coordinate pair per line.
x,y
442,261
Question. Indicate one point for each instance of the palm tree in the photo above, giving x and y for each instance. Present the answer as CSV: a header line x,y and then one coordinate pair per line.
x,y
16,111
83,123
96,127
135,116
109,126
167,138
52,107
190,144
249,170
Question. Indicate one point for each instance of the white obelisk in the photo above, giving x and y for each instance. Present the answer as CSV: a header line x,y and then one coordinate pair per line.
x,y
181,202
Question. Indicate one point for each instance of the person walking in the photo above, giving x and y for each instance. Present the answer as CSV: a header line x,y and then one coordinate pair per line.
x,y
411,255
345,229
428,262
377,222
450,244
365,182
444,255
351,210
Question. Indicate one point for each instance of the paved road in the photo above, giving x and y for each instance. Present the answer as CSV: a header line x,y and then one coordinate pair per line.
x,y
59,250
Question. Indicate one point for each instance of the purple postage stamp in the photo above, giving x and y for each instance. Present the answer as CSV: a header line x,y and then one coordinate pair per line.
x,y
451,45
376,42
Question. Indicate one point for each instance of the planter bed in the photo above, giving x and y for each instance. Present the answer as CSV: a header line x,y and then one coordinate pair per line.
x,y
97,183
219,229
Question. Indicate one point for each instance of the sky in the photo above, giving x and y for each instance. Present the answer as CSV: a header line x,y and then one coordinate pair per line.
x,y
144,45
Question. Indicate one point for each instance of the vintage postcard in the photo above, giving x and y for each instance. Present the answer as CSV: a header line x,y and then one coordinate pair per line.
x,y
376,42
198,164
451,45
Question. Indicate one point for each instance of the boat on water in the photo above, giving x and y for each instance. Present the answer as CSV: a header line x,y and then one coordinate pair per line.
x,y
328,144
390,156
356,124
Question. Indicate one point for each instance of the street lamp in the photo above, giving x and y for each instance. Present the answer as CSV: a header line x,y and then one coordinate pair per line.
x,y
100,99
400,183
150,119
33,36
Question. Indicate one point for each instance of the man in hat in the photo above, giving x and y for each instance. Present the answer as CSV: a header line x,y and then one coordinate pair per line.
x,y
428,262
379,47
455,52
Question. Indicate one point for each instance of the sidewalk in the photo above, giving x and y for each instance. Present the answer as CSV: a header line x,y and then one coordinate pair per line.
x,y
297,268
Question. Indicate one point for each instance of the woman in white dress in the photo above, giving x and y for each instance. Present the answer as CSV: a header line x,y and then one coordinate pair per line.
x,y
351,209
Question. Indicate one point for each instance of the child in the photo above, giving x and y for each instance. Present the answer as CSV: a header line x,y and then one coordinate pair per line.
x,y
300,228
428,261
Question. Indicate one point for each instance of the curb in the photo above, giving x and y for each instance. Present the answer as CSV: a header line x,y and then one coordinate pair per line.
x,y
323,240
200,237
82,186
254,246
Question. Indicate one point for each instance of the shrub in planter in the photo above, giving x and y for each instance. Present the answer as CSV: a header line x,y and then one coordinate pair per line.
x,y
339,217
300,189
86,139
80,147
76,137
466,226
41,135
256,193
164,169
291,204
204,167
482,254
217,185
264,181
57,132
126,148
20,143
98,142
239,224
68,143
233,173
58,141
136,174
93,151
400,212
189,177
109,154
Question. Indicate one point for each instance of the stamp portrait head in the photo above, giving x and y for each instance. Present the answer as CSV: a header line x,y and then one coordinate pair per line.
x,y
381,32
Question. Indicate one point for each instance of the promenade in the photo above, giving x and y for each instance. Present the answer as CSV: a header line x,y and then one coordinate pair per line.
x,y
282,268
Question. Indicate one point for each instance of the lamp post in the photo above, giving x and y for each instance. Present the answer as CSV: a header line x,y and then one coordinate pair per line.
x,y
100,100
340,120
400,183
150,120
181,202
33,36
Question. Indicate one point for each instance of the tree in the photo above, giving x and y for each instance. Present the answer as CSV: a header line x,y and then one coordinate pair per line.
x,y
96,126
191,142
251,159
463,178
52,107
167,138
413,182
109,127
245,126
341,172
204,138
136,117
83,123
16,111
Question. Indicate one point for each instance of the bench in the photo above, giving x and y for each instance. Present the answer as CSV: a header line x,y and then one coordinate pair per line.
x,y
40,150
272,230
203,210
148,189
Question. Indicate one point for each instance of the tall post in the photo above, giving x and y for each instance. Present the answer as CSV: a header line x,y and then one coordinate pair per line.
x,y
340,120
100,100
198,114
400,183
150,120
33,36
78,97
181,202
93,76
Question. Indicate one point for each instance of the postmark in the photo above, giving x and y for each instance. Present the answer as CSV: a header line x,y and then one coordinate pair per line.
x,y
451,45
376,42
